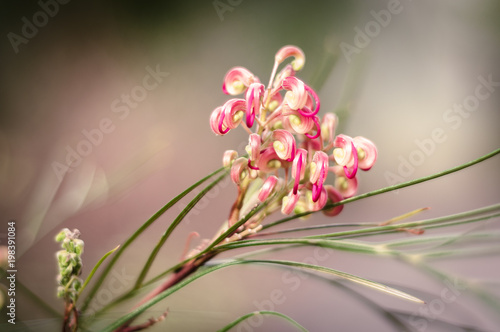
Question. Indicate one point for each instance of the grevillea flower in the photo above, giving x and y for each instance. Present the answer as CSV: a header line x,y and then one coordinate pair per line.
x,y
334,196
284,144
267,188
217,121
237,80
234,110
269,161
288,51
296,122
296,96
228,157
320,202
298,168
253,96
367,152
289,202
291,147
328,126
318,171
346,186
239,170
345,154
253,148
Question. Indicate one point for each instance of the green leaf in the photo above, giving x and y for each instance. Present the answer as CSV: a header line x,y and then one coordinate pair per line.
x,y
139,310
242,318
388,189
91,274
139,231
171,228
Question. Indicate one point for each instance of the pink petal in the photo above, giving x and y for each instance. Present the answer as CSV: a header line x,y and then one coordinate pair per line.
x,y
253,99
298,168
267,188
216,120
289,202
334,196
237,169
288,51
228,157
284,144
369,151
237,79
231,108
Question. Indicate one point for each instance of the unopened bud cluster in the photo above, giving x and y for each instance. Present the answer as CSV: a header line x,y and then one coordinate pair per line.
x,y
70,264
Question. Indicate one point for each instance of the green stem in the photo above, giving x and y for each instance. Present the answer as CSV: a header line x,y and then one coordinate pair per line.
x,y
131,239
390,188
242,318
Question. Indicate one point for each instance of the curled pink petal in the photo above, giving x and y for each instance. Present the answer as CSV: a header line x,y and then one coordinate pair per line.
x,y
284,144
253,147
289,202
318,203
293,120
343,152
237,79
334,196
288,51
216,121
253,98
298,168
347,187
296,96
267,188
328,125
287,71
318,128
351,171
239,170
367,152
234,110
228,157
318,172
269,161
316,99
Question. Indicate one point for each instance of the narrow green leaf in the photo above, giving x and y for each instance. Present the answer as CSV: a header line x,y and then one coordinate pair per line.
x,y
91,274
388,189
171,228
139,231
242,318
139,310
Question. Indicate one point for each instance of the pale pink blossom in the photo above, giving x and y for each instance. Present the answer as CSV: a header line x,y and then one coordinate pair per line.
x,y
298,168
216,121
228,157
293,120
267,188
328,126
269,161
239,170
253,97
345,154
288,51
320,202
346,186
237,79
284,144
318,171
296,96
367,152
288,203
234,110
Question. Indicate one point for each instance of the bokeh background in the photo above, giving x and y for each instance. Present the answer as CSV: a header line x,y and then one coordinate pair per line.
x,y
65,78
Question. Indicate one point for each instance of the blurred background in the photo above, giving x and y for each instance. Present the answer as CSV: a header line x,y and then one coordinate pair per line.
x,y
126,88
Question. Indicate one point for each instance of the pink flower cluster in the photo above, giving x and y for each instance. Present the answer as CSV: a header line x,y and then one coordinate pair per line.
x,y
290,149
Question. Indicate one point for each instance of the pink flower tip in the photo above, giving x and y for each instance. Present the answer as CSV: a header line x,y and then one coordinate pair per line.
x,y
288,51
267,188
